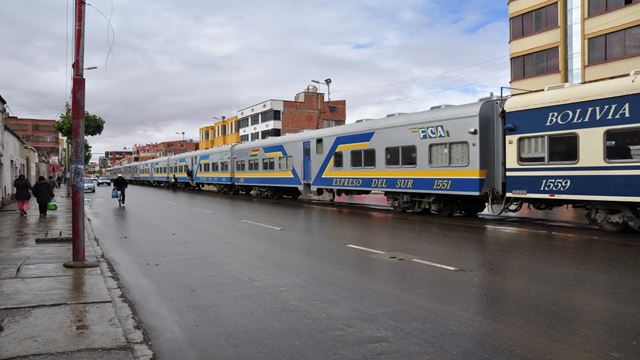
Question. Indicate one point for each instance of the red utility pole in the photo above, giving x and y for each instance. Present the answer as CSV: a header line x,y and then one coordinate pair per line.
x,y
77,139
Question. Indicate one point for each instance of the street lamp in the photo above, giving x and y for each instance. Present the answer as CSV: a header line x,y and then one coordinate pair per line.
x,y
327,82
179,133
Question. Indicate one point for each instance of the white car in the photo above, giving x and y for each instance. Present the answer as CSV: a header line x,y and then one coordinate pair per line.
x,y
104,180
89,185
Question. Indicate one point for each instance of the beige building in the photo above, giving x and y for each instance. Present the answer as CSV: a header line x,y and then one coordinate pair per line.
x,y
574,41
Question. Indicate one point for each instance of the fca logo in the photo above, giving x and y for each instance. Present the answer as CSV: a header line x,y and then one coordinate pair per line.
x,y
433,132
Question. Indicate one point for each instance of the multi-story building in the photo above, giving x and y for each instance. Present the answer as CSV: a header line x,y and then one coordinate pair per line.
x,y
103,162
169,148
37,133
223,132
146,152
115,156
572,41
279,117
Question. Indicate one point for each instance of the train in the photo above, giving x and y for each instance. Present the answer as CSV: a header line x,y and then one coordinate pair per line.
x,y
575,145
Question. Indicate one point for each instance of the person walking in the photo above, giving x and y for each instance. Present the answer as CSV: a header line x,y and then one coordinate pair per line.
x,y
52,182
43,191
59,180
23,196
120,184
174,183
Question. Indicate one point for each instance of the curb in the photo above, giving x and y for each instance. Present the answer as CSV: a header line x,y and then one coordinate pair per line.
x,y
137,339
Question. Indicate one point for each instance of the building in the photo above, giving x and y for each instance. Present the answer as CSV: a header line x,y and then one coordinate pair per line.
x,y
572,41
279,117
103,162
169,148
146,152
37,133
117,155
223,132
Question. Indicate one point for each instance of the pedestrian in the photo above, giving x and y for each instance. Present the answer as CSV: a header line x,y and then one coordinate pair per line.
x,y
174,183
190,176
43,191
53,183
59,180
120,184
23,196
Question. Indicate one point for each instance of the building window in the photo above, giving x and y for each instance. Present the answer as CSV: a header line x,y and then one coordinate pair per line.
x,y
270,115
255,119
338,159
333,109
534,22
615,45
244,138
319,147
449,154
599,7
268,164
243,123
535,64
255,136
548,149
623,145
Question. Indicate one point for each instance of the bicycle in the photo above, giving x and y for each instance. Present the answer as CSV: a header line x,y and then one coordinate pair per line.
x,y
119,198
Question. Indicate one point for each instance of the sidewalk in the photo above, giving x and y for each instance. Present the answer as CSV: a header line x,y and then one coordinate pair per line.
x,y
51,312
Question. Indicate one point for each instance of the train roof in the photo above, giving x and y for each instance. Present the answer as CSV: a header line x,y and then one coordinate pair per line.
x,y
444,112
572,93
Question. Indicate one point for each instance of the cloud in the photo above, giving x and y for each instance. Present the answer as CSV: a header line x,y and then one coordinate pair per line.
x,y
179,63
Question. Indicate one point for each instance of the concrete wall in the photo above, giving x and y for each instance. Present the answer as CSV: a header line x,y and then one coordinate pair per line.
x,y
14,162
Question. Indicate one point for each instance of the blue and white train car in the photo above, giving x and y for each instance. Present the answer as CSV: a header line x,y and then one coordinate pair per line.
x,y
214,167
579,145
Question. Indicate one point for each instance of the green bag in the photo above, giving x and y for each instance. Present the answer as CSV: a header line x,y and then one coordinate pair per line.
x,y
52,206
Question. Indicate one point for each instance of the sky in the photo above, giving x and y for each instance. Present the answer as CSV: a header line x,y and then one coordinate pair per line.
x,y
167,66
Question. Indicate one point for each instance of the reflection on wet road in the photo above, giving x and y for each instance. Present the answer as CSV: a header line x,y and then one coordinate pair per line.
x,y
215,276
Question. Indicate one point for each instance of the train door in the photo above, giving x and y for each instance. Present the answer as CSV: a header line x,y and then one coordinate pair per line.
x,y
306,161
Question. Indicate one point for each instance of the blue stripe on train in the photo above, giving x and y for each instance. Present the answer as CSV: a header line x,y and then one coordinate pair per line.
x,y
589,185
473,185
266,181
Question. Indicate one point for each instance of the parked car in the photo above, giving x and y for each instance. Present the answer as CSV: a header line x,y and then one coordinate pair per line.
x,y
104,180
89,185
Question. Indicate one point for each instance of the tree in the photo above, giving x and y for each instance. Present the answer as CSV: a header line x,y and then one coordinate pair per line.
x,y
93,125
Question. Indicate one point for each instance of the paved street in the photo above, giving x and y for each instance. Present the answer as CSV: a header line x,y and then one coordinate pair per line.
x,y
222,277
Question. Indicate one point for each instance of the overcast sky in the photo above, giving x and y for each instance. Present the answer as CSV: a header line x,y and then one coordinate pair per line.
x,y
174,64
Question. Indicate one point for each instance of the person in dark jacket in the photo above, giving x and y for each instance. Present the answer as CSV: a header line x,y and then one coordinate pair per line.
x,y
59,180
23,196
174,183
43,191
120,184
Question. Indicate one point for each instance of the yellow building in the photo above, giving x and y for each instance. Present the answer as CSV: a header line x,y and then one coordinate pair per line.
x,y
223,132
572,41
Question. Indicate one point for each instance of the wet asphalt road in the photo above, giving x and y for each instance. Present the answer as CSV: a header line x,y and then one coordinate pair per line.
x,y
218,277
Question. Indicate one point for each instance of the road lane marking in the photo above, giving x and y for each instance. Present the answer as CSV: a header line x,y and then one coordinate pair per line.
x,y
171,202
365,249
203,211
424,262
261,224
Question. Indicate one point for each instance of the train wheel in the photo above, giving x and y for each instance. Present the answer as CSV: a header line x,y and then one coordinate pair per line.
x,y
445,208
612,227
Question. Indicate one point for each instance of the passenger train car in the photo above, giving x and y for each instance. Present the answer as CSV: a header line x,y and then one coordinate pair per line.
x,y
570,145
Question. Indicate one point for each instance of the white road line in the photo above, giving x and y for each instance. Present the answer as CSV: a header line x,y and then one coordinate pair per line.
x,y
503,228
423,262
203,211
261,224
171,202
365,249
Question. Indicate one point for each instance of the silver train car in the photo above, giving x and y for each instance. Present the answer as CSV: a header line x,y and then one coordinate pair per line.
x,y
577,145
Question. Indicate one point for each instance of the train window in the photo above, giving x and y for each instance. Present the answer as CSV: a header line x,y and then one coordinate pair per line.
x,y
622,145
319,147
532,149
207,167
199,167
285,162
215,167
240,165
392,156
439,154
369,157
338,159
563,148
224,166
268,164
459,153
356,158
408,155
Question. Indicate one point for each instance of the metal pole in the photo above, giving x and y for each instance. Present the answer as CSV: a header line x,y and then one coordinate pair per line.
x,y
77,143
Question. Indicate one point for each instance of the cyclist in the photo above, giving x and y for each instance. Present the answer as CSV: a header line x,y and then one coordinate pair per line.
x,y
120,184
